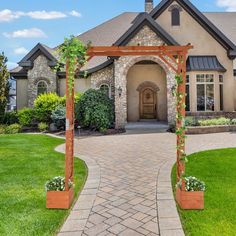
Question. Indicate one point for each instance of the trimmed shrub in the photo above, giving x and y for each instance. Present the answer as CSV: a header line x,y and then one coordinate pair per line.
x,y
95,110
233,122
2,129
45,104
26,116
13,129
59,117
10,118
212,122
190,121
42,127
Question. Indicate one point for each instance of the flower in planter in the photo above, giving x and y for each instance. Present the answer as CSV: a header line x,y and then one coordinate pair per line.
x,y
57,184
192,184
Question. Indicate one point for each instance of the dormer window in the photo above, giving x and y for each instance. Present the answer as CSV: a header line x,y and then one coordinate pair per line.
x,y
175,14
175,17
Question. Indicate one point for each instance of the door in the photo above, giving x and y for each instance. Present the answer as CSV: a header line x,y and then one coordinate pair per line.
x,y
148,104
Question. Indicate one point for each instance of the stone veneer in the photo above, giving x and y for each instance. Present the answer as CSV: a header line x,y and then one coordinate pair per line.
x,y
122,65
40,72
104,76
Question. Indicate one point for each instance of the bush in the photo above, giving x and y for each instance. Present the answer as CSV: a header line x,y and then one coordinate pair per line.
x,y
57,184
42,127
59,117
190,121
233,122
10,118
13,129
194,184
45,104
2,129
212,122
95,110
26,116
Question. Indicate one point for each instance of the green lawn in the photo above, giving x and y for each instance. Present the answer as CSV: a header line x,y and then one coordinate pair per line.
x,y
26,163
218,169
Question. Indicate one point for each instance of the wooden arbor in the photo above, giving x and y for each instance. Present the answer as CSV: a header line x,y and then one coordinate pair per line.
x,y
174,57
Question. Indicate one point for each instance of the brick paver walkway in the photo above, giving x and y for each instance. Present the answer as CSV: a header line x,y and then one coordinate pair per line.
x,y
134,178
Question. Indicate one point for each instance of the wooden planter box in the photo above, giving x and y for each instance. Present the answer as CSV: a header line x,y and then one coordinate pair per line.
x,y
59,199
190,200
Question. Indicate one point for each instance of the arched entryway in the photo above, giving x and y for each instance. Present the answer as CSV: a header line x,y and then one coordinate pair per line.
x,y
146,92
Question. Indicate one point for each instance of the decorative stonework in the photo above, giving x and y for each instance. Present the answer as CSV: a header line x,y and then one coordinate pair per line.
x,y
122,65
146,84
146,37
40,71
104,76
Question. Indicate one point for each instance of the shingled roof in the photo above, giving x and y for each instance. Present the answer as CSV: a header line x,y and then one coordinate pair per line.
x,y
111,31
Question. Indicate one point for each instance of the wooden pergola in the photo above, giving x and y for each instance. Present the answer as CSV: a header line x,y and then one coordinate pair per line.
x,y
174,56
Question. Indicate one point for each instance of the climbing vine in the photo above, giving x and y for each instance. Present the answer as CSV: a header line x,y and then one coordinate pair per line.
x,y
180,119
73,53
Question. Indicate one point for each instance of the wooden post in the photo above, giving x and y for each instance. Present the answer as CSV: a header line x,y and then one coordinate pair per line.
x,y
181,89
69,156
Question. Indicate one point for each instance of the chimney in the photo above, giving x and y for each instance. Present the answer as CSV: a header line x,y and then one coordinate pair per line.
x,y
148,5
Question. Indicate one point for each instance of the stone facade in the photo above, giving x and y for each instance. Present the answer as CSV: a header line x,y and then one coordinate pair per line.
x,y
122,65
40,72
104,76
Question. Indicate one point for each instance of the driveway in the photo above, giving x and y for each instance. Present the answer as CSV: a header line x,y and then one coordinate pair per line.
x,y
133,196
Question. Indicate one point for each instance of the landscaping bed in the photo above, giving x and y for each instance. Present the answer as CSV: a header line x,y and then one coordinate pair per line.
x,y
210,129
27,163
217,169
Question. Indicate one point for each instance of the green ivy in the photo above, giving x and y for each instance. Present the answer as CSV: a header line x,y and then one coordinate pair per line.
x,y
73,53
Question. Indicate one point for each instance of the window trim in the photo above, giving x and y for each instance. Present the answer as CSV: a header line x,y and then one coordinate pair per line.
x,y
205,83
40,81
221,83
188,83
109,87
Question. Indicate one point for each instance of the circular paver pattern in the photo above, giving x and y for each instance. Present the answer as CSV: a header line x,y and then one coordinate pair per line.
x,y
134,195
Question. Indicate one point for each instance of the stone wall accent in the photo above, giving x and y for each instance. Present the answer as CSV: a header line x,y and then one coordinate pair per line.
x,y
146,37
122,65
40,71
104,76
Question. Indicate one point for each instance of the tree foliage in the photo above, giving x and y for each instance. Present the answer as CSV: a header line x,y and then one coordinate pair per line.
x,y
4,84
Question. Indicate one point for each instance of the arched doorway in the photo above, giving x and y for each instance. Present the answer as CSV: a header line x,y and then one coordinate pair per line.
x,y
146,92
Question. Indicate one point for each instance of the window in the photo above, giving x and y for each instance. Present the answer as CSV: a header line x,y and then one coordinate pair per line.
x,y
42,87
175,17
221,87
187,94
105,88
205,92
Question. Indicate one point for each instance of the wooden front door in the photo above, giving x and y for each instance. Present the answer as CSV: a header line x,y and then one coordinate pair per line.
x,y
148,104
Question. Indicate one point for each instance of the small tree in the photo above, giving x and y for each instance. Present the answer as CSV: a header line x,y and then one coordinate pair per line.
x,y
4,84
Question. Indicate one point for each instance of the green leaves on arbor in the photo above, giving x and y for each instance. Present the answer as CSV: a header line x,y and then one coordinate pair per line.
x,y
73,53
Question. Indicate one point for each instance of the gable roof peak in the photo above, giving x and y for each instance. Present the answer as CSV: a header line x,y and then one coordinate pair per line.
x,y
141,20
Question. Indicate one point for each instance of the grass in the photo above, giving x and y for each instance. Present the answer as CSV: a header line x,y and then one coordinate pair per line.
x,y
217,168
26,163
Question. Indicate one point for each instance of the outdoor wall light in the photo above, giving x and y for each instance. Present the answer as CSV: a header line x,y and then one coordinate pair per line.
x,y
119,91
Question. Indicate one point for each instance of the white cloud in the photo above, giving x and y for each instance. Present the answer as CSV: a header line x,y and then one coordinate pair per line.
x,y
11,65
7,15
230,5
26,33
45,15
21,51
75,13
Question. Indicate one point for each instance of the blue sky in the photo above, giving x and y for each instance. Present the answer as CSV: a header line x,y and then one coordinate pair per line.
x,y
24,23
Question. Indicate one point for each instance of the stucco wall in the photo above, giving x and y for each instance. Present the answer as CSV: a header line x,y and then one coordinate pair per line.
x,y
190,31
81,85
136,76
21,93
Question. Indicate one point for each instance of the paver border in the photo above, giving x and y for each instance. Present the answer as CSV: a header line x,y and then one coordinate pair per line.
x,y
77,219
168,216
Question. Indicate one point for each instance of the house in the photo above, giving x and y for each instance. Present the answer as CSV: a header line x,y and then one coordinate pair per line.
x,y
141,86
